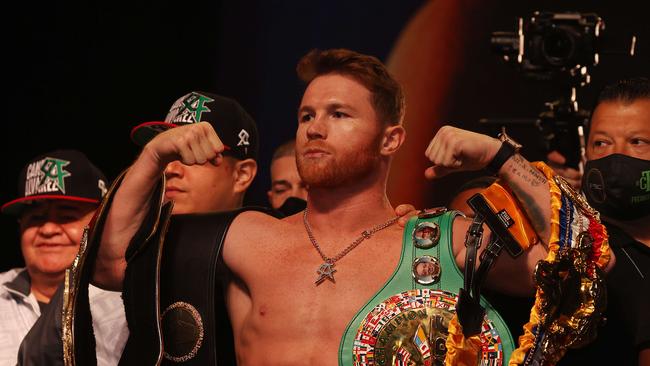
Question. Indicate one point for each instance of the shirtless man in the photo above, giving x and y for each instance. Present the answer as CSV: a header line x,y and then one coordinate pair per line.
x,y
349,129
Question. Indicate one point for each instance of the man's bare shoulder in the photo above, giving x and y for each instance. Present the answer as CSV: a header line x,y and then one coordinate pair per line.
x,y
249,223
253,220
253,217
256,224
253,233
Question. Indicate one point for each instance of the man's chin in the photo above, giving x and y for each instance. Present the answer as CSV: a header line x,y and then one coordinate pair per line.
x,y
52,269
320,182
180,210
182,205
319,177
330,173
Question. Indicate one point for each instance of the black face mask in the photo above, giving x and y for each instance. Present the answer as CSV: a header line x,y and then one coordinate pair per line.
x,y
292,206
618,186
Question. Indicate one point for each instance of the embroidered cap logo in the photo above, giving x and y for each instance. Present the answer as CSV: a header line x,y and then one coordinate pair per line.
x,y
46,175
189,109
243,140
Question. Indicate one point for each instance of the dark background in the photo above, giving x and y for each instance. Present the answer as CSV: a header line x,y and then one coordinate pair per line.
x,y
82,75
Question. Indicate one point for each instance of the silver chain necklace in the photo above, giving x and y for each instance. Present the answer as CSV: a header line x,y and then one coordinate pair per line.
x,y
326,270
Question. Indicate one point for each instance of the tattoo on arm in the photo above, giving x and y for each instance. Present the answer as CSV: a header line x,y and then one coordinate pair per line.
x,y
527,175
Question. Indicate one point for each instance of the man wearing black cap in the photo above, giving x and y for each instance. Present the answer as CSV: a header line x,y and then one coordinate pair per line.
x,y
194,189
59,192
208,188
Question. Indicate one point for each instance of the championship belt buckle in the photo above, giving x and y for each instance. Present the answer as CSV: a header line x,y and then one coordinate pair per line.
x,y
411,328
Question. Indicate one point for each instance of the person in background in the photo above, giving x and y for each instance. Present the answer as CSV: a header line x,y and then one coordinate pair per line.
x,y
59,192
209,187
616,183
194,189
286,182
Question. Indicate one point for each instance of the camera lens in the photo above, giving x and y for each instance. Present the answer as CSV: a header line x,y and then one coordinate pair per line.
x,y
505,43
558,47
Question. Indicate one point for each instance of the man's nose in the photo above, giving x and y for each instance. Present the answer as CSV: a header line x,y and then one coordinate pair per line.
x,y
317,128
174,169
624,149
50,228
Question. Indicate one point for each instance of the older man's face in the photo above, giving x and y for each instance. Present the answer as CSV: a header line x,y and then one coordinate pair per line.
x,y
620,128
50,233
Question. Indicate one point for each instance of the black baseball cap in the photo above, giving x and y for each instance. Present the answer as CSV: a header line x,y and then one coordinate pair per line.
x,y
231,122
58,175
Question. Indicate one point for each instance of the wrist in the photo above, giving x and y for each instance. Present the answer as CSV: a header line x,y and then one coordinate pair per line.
x,y
150,162
506,148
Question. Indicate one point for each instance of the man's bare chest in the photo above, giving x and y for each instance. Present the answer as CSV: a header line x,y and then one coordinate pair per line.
x,y
289,276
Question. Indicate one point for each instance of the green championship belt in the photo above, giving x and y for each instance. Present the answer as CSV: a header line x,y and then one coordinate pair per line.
x,y
406,322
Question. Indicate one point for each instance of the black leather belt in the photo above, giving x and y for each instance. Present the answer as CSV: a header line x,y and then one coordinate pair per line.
x,y
194,328
469,310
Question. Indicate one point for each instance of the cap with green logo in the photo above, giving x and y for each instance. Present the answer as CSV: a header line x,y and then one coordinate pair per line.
x,y
58,175
234,126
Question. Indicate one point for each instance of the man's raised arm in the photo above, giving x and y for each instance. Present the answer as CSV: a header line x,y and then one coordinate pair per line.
x,y
455,150
193,144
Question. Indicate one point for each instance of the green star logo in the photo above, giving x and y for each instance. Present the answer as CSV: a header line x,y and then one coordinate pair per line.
x,y
189,109
53,171
195,104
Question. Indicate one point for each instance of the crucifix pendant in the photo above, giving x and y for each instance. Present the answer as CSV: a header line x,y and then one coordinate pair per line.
x,y
325,271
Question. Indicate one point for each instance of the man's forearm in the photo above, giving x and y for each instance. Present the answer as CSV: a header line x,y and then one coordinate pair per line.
x,y
531,188
125,216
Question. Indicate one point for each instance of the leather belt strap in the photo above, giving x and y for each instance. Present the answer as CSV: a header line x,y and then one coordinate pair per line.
x,y
184,298
469,310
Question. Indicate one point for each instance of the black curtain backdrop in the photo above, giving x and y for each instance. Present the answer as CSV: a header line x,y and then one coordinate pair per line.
x,y
82,75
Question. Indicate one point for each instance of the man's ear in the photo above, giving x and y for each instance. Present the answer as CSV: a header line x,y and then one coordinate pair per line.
x,y
392,140
245,171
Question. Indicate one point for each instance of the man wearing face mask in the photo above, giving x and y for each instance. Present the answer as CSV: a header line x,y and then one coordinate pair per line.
x,y
288,193
616,182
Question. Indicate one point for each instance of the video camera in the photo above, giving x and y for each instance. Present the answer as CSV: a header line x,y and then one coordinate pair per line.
x,y
550,43
558,46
